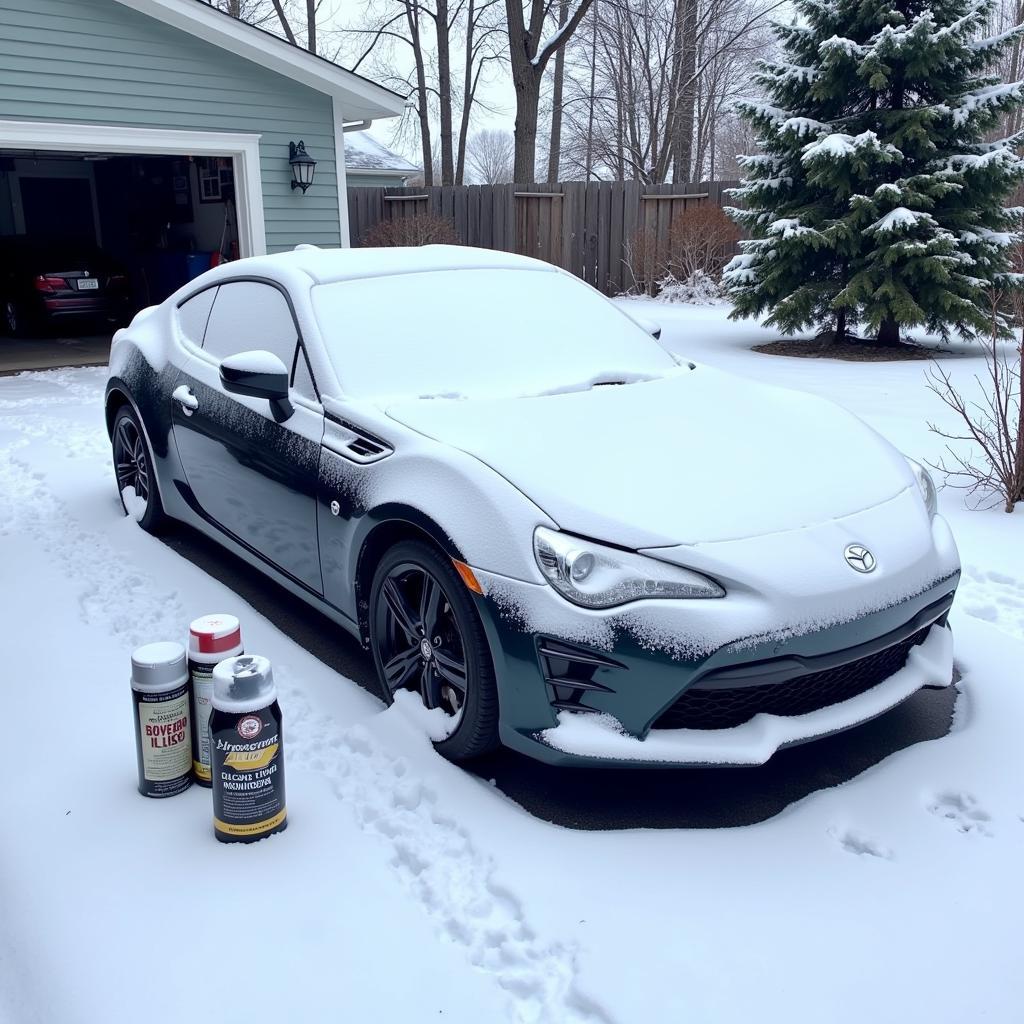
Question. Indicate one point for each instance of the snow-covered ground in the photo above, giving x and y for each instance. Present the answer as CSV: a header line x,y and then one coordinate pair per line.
x,y
406,890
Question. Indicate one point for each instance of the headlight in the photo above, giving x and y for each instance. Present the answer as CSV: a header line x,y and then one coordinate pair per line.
x,y
926,485
596,576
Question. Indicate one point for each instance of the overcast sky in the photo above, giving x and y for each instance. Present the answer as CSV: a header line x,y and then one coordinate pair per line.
x,y
497,94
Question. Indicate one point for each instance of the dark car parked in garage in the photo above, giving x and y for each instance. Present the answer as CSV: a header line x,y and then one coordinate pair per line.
x,y
41,282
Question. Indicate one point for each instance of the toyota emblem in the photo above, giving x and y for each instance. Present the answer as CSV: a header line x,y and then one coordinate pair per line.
x,y
859,558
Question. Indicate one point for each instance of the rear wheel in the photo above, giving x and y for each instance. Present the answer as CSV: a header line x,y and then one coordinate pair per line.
x,y
133,468
426,637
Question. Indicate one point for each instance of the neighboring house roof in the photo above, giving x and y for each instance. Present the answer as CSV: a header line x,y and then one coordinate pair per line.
x,y
363,153
357,98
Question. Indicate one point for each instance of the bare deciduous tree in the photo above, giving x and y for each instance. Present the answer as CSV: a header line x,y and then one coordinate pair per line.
x,y
290,17
529,54
491,156
637,106
988,459
438,38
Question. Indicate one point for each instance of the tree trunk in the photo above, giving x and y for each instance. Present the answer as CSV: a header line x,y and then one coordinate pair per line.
x,y
283,19
555,146
422,97
528,57
840,335
467,96
444,88
682,121
593,87
311,25
889,332
527,86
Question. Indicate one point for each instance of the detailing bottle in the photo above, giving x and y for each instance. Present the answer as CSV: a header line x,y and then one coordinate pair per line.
x,y
163,743
211,638
246,751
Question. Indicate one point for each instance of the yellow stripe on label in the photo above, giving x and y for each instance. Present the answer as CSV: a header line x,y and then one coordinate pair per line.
x,y
202,771
251,760
251,829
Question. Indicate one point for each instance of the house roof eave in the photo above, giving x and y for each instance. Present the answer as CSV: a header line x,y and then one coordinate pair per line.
x,y
358,97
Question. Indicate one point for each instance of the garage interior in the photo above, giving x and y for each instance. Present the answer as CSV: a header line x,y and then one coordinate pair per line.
x,y
158,221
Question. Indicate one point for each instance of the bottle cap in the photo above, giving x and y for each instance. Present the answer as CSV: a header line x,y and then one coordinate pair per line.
x,y
244,683
217,636
160,666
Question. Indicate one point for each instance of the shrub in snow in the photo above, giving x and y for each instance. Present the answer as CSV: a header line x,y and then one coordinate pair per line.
x,y
989,455
698,289
699,242
876,199
423,229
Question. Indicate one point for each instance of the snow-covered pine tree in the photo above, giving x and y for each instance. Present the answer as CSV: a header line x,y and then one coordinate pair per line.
x,y
875,201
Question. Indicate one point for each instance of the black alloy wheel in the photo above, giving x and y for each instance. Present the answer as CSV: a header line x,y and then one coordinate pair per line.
x,y
427,638
133,467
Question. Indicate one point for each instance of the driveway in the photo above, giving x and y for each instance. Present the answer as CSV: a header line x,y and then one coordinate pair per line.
x,y
52,350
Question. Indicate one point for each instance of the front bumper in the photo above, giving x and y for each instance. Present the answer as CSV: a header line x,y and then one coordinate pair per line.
x,y
569,702
794,610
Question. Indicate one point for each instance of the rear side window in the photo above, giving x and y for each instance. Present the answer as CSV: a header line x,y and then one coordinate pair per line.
x,y
193,314
249,315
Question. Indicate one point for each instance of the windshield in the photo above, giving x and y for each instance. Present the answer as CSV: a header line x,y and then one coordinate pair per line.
x,y
479,333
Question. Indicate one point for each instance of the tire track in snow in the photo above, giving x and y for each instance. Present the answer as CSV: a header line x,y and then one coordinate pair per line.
x,y
432,854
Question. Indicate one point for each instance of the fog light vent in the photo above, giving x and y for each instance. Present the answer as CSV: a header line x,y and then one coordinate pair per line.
x,y
570,673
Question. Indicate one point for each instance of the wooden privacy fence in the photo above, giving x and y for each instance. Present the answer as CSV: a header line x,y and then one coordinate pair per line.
x,y
587,228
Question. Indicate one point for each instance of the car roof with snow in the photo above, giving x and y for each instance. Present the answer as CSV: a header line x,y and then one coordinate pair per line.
x,y
324,266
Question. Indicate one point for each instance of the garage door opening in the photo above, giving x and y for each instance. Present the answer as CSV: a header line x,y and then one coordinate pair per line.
x,y
88,239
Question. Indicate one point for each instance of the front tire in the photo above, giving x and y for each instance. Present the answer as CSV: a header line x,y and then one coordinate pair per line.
x,y
426,636
133,467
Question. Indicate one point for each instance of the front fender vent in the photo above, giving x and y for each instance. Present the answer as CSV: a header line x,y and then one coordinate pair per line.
x,y
354,443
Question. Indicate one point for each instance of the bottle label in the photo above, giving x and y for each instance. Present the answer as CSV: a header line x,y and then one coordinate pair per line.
x,y
202,706
165,739
248,769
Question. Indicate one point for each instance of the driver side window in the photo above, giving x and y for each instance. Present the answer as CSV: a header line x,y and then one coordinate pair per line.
x,y
248,315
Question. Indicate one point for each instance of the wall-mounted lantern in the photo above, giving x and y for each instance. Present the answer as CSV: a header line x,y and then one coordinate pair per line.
x,y
302,165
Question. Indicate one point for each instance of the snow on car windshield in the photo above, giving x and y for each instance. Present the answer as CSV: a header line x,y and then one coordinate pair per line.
x,y
479,333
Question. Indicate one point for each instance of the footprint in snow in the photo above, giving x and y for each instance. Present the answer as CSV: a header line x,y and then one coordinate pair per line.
x,y
963,811
993,597
857,843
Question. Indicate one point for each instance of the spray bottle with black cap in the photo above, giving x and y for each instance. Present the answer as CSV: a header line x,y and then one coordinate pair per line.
x,y
247,754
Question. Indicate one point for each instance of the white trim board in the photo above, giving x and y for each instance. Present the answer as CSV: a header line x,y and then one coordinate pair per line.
x,y
342,169
243,149
359,97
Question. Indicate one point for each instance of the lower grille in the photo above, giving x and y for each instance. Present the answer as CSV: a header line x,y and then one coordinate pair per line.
x,y
724,708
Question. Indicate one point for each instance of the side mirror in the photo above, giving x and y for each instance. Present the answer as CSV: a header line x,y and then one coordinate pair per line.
x,y
258,374
653,329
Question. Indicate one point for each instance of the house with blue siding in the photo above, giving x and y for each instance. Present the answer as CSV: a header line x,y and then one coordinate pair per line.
x,y
171,135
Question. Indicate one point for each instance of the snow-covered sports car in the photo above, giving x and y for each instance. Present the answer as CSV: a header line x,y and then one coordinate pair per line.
x,y
560,536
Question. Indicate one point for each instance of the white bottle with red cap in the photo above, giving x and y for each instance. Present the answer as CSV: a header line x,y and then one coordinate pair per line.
x,y
211,638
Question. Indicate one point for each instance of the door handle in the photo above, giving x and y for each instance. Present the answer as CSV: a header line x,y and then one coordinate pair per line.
x,y
182,394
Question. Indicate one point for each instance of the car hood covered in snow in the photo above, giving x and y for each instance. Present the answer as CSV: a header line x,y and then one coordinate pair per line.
x,y
698,455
